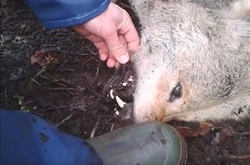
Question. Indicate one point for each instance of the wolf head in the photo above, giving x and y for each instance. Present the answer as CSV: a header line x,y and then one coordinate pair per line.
x,y
194,54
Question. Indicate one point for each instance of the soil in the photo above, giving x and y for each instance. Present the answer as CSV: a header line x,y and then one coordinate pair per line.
x,y
57,75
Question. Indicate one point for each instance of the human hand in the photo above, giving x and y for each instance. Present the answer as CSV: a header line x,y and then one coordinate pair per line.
x,y
113,33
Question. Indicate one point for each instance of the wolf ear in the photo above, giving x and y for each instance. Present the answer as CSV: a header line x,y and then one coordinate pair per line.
x,y
241,13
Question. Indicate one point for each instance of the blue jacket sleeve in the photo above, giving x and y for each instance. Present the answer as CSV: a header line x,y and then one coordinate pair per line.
x,y
25,139
65,13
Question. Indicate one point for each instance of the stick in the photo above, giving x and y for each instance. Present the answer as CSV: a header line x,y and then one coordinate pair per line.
x,y
92,134
238,157
65,119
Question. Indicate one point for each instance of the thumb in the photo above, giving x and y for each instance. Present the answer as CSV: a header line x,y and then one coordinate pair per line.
x,y
117,48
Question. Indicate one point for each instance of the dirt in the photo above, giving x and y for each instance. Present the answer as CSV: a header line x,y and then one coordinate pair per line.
x,y
57,75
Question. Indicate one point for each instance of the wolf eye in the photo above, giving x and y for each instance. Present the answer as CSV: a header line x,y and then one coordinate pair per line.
x,y
175,93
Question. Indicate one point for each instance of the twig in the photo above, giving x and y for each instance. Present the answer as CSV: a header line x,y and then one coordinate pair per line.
x,y
90,59
97,94
237,157
92,134
112,127
64,107
86,54
243,133
97,71
36,82
68,70
61,88
70,92
40,72
59,82
37,75
65,119
58,88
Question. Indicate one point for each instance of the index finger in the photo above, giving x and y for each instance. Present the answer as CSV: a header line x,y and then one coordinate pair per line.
x,y
129,32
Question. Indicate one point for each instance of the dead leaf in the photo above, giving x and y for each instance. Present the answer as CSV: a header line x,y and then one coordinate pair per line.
x,y
36,57
203,129
43,58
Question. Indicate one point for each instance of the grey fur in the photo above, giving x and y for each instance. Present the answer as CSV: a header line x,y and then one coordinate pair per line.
x,y
202,43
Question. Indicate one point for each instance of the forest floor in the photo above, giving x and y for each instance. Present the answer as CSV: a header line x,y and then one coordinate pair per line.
x,y
57,75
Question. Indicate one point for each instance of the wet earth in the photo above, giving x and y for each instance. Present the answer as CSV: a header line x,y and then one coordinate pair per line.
x,y
57,75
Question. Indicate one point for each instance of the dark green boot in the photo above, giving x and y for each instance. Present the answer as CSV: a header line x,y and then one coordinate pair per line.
x,y
145,144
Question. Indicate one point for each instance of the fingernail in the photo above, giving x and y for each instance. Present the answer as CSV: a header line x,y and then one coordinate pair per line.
x,y
123,59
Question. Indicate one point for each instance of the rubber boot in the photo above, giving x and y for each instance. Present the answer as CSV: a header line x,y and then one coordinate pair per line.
x,y
26,140
145,144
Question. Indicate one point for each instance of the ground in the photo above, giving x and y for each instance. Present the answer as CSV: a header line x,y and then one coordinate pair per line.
x,y
56,74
